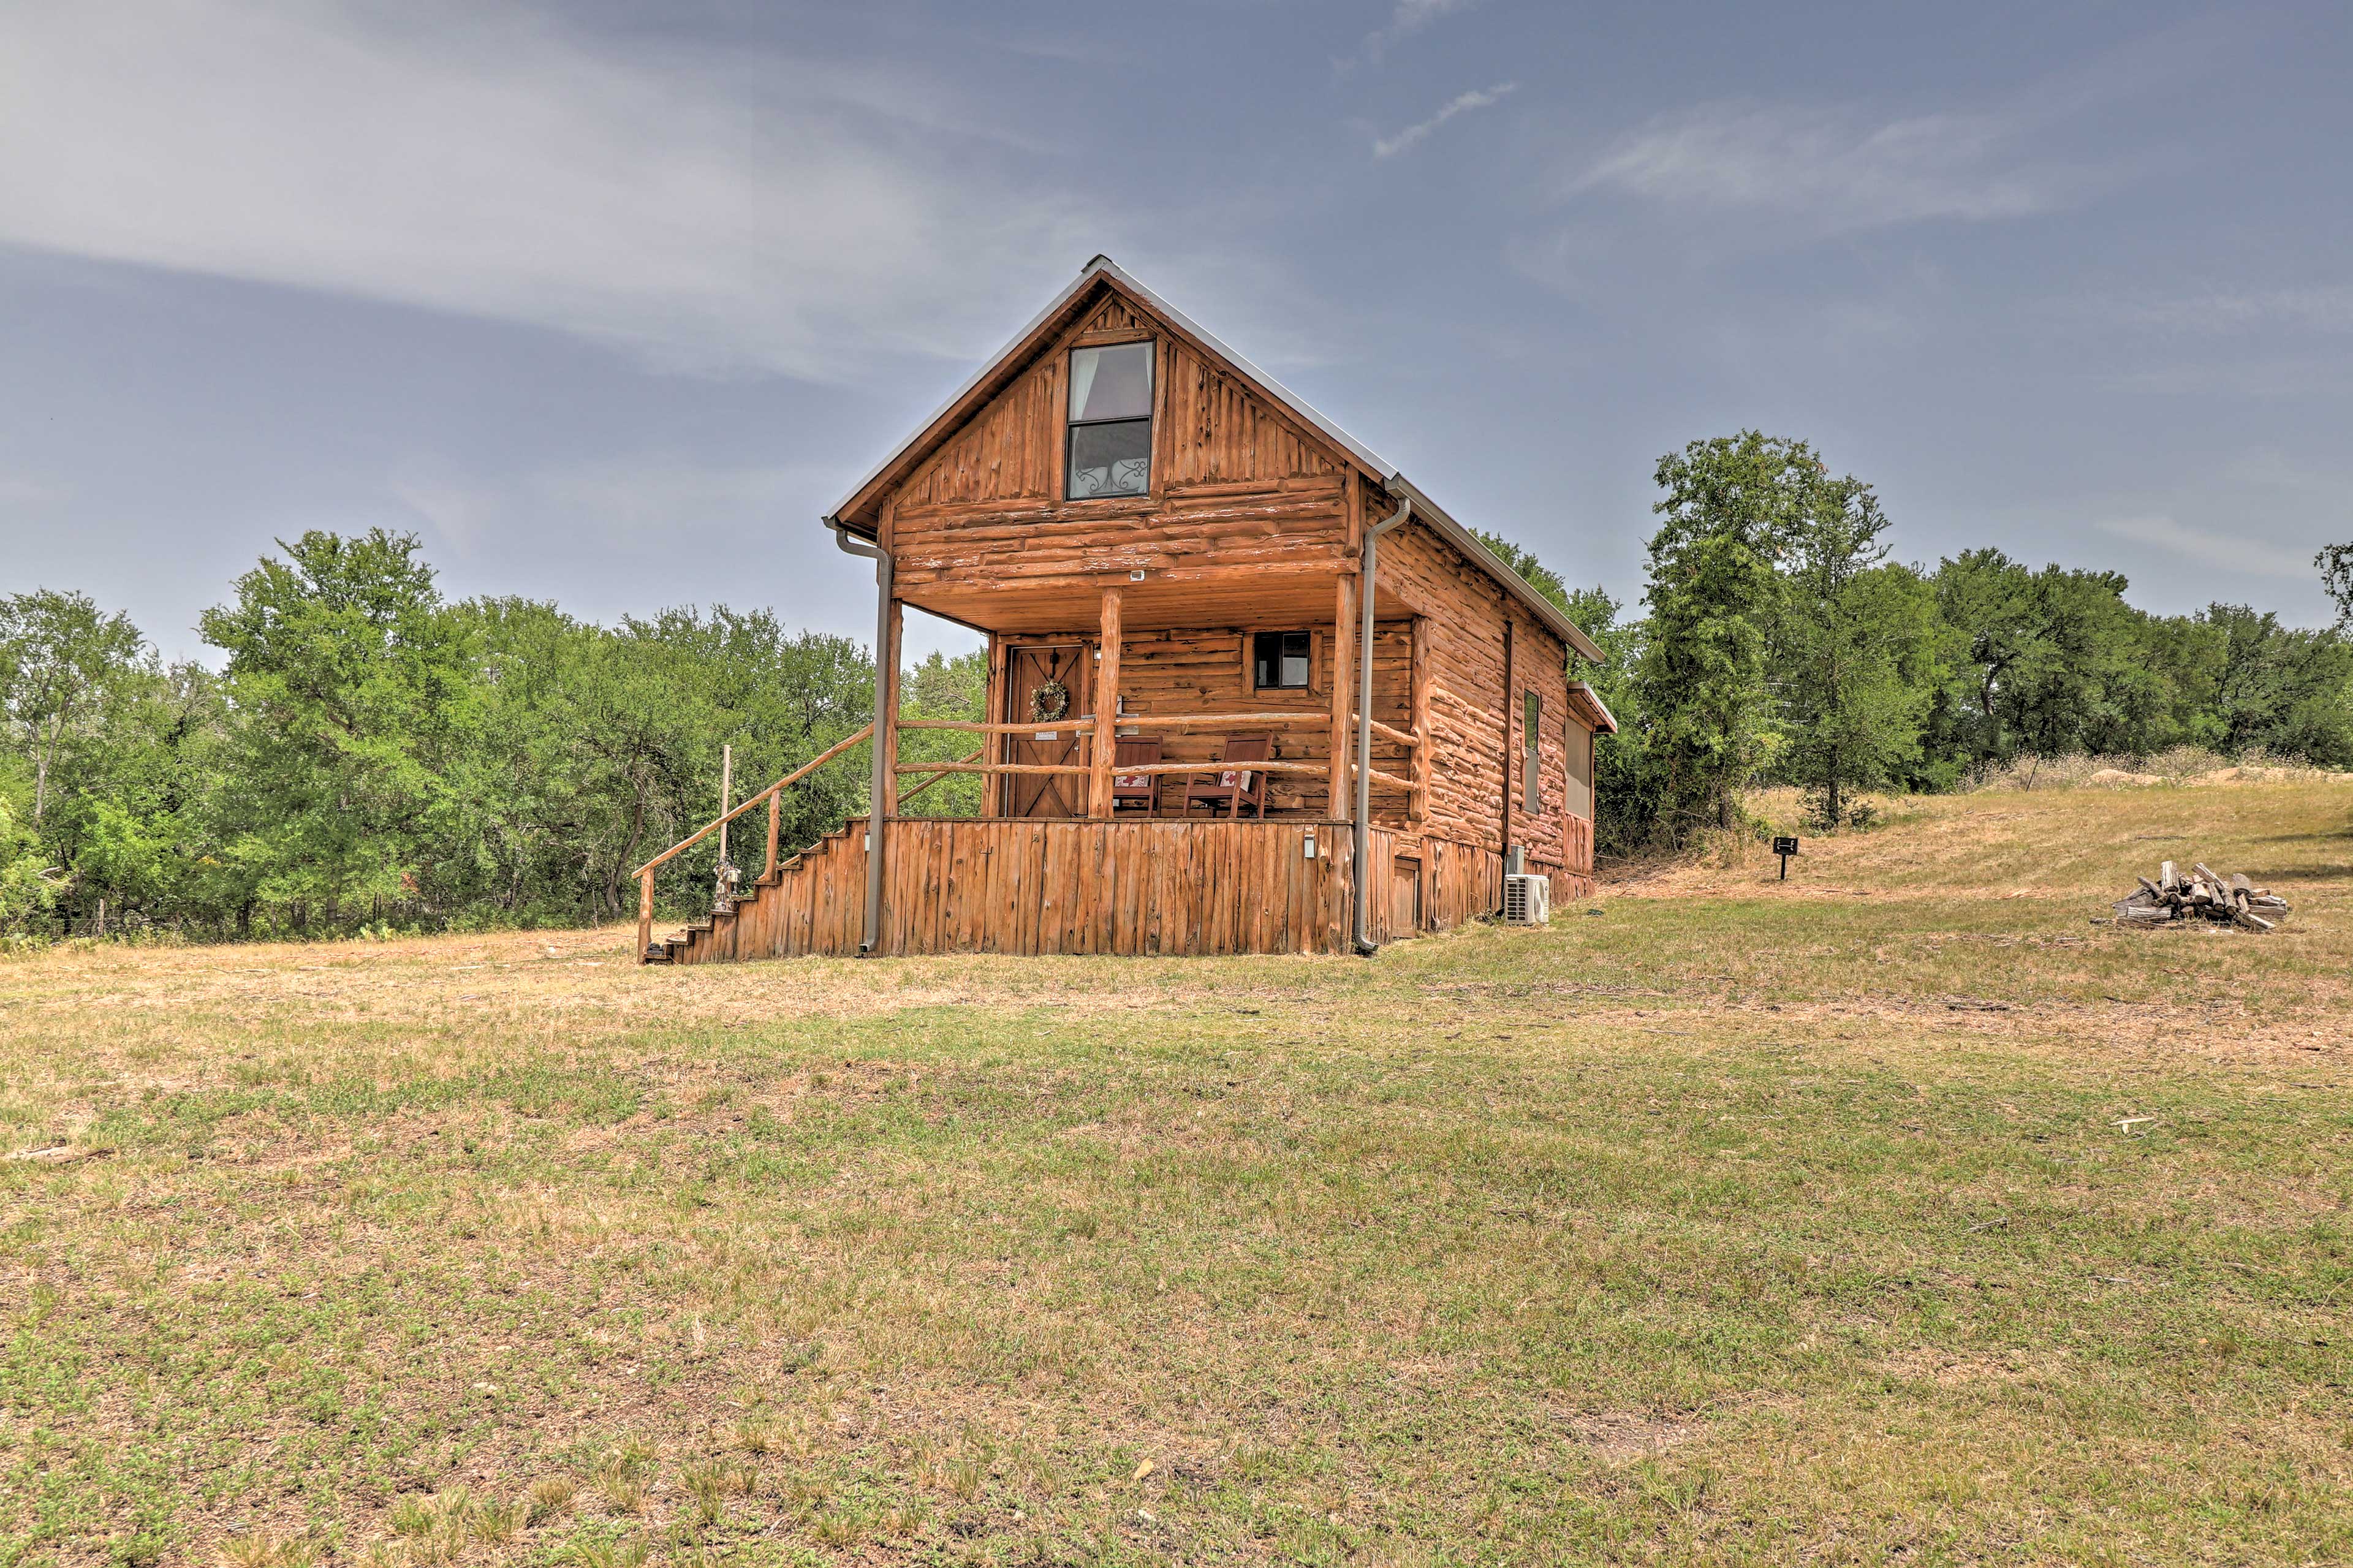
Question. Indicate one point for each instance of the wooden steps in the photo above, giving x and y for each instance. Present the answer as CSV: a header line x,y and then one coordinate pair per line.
x,y
698,941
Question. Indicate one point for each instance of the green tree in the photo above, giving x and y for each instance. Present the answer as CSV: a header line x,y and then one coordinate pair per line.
x,y
60,663
358,694
2279,690
2335,564
2056,662
1732,507
1855,653
28,884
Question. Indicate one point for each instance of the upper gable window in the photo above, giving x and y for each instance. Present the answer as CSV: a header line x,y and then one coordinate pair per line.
x,y
1111,421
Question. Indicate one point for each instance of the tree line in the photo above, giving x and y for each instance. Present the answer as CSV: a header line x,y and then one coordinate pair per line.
x,y
1779,643
369,753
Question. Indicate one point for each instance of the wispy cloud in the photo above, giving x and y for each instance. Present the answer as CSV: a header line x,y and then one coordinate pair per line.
x,y
699,211
643,493
2315,309
1834,169
2233,551
18,491
1413,135
1408,18
627,496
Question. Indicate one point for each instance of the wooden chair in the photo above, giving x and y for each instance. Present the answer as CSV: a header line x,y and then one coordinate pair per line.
x,y
1132,789
1233,787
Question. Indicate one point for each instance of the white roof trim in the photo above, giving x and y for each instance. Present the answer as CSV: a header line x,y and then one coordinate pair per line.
x,y
1365,458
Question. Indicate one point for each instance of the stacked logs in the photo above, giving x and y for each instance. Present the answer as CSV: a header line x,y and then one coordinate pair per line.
x,y
2202,895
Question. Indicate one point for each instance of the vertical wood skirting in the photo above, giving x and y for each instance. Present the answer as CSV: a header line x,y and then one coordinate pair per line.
x,y
1343,795
1127,888
1103,745
887,736
1069,885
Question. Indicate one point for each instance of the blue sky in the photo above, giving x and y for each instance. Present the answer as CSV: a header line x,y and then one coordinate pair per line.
x,y
608,301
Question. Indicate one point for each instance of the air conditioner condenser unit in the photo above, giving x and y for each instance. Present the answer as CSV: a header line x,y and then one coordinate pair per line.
x,y
1528,900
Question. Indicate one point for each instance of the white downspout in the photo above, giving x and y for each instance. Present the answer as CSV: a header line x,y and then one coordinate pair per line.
x,y
1365,717
883,674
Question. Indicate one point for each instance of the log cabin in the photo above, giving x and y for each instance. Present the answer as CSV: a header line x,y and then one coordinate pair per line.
x,y
1250,689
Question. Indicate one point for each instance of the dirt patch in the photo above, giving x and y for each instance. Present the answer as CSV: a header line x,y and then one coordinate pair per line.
x,y
1622,1436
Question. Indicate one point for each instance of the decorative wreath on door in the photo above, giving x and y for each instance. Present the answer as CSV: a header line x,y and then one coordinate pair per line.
x,y
1049,703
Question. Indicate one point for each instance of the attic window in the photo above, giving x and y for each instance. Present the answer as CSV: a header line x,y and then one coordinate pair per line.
x,y
1111,421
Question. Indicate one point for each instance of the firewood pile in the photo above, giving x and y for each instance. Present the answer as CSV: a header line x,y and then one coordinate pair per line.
x,y
2202,894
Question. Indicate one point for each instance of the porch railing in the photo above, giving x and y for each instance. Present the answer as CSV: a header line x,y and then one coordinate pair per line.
x,y
1100,757
1099,765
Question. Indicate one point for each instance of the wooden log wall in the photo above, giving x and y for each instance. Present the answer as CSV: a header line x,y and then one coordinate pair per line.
x,y
1236,483
1475,723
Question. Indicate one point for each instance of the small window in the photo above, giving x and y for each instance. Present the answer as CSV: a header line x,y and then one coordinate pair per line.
x,y
1282,660
1581,771
1531,729
1110,422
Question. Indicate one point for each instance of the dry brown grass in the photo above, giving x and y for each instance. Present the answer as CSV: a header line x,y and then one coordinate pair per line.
x,y
1741,1223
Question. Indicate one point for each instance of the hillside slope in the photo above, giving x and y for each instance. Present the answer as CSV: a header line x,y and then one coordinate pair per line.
x,y
1900,1213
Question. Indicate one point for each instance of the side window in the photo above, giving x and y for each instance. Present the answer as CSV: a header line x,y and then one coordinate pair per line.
x,y
1581,771
1531,729
1281,661
1110,422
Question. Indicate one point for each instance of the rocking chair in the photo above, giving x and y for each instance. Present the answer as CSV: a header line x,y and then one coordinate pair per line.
x,y
1136,789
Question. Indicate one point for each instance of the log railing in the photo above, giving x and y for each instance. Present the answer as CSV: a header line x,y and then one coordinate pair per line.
x,y
937,771
973,727
773,796
1213,720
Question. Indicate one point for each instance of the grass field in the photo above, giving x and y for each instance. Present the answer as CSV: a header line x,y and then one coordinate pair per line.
x,y
1898,1215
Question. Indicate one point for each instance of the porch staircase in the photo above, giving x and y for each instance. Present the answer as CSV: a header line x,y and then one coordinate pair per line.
x,y
792,883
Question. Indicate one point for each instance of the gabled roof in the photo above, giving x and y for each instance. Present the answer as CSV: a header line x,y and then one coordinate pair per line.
x,y
1010,361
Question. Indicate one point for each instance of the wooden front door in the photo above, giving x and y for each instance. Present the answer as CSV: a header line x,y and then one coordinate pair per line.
x,y
1030,672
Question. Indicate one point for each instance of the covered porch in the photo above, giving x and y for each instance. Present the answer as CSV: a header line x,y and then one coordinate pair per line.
x,y
1127,700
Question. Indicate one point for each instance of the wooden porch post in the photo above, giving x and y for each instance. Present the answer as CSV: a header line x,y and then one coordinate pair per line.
x,y
1420,720
645,913
1104,744
775,826
993,748
1342,797
887,736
